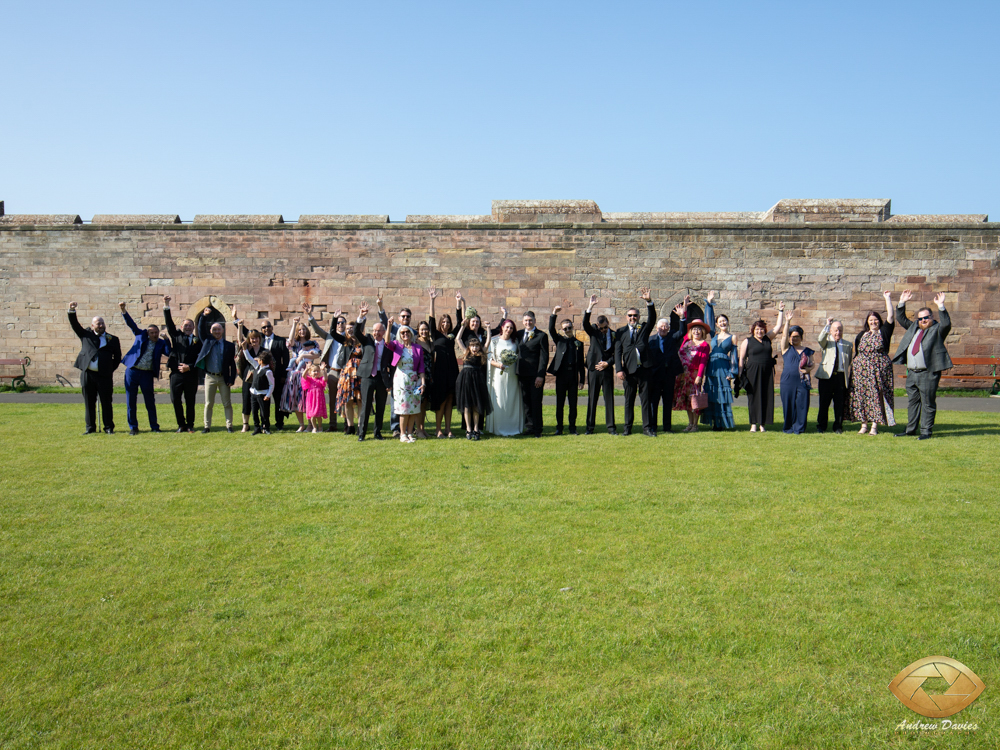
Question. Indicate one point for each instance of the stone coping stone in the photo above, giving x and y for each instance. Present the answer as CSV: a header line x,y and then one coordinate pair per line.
x,y
40,220
344,219
136,219
446,219
938,219
829,209
239,219
545,211
668,217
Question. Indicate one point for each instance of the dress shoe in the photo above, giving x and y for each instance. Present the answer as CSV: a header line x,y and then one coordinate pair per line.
x,y
155,429
206,431
906,434
182,429
925,436
266,432
627,431
838,432
257,431
191,430
613,431
378,436
352,430
649,433
558,430
90,432
589,432
229,428
133,431
109,430
572,431
361,437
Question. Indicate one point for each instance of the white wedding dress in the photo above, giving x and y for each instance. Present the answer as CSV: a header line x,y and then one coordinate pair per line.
x,y
505,393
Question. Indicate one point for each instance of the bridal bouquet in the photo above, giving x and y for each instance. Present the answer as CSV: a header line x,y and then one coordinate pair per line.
x,y
508,357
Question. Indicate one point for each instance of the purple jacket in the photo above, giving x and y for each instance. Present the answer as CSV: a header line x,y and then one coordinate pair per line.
x,y
418,355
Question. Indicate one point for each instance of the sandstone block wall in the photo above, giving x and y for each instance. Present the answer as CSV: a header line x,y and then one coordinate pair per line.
x,y
819,268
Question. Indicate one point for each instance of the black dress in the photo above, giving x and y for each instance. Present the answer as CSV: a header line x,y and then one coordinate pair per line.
x,y
470,389
444,368
759,380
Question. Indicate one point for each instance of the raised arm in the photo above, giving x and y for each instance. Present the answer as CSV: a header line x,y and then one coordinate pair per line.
x,y
824,335
552,324
939,300
128,320
314,324
784,332
890,312
710,313
291,329
204,327
168,319
905,297
78,329
781,315
588,328
458,339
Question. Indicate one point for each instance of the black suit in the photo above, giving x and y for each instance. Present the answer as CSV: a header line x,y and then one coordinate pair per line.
x,y
631,358
532,358
99,383
373,387
600,381
183,385
570,369
665,366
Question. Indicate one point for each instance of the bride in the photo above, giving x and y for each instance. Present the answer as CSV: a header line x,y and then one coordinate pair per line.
x,y
507,417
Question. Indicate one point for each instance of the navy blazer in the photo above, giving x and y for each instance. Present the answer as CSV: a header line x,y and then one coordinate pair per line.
x,y
161,348
228,359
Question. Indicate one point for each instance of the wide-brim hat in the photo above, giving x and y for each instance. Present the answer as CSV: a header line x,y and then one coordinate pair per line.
x,y
698,322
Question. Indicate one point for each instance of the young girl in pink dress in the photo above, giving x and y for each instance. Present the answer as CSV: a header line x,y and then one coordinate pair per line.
x,y
314,392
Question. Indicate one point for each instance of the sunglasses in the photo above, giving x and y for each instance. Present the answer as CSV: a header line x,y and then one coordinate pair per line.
x,y
633,316
567,328
926,317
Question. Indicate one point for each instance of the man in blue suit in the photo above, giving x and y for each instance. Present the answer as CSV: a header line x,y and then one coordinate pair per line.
x,y
142,365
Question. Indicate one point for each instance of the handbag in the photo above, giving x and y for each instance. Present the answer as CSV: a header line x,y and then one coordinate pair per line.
x,y
699,400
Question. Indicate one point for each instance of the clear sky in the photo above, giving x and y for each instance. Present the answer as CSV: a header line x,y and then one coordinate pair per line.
x,y
439,108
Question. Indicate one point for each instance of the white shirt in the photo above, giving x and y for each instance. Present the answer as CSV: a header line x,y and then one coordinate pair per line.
x,y
93,363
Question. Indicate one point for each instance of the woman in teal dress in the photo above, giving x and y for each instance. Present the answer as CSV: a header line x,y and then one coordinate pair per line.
x,y
723,367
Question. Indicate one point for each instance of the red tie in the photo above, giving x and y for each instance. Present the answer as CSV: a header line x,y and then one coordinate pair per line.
x,y
916,342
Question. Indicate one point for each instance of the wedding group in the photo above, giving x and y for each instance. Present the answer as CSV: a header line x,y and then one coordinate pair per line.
x,y
493,375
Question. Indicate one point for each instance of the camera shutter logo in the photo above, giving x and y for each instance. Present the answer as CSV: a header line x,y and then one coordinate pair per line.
x,y
964,686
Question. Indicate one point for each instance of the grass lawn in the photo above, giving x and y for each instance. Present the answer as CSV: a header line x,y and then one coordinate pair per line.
x,y
693,591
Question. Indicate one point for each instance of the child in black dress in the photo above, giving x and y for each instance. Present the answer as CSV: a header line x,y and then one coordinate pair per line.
x,y
471,394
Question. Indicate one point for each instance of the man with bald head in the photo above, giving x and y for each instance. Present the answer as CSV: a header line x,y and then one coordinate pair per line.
x,y
832,375
218,359
100,355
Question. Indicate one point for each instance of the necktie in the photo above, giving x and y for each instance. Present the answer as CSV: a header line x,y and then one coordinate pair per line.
x,y
836,356
661,344
631,333
916,342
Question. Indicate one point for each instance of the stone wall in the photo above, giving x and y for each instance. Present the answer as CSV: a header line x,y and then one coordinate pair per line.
x,y
819,268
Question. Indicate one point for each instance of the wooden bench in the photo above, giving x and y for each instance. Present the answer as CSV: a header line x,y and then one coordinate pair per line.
x,y
17,382
971,363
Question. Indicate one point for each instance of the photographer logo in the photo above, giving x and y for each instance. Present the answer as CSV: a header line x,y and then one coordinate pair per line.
x,y
936,686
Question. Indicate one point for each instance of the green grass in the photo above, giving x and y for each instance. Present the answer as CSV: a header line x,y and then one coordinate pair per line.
x,y
708,590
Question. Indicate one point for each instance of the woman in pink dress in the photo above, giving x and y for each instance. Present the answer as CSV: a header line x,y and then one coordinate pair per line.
x,y
693,353
314,395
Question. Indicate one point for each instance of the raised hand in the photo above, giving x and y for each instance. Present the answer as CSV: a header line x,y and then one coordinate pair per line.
x,y
296,319
307,308
939,299
458,299
710,298
556,309
593,300
687,300
905,297
781,307
235,314
378,299
72,305
432,293
363,309
680,309
121,306
339,313
829,322
166,300
887,294
207,311
503,311
644,293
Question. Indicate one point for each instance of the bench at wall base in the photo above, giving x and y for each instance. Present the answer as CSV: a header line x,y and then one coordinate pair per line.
x,y
969,374
17,382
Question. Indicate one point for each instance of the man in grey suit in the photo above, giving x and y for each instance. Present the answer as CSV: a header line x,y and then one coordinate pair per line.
x,y
832,375
923,352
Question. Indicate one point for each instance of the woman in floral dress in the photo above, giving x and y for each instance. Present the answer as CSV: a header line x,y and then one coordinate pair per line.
x,y
871,391
302,352
693,354
408,382
349,385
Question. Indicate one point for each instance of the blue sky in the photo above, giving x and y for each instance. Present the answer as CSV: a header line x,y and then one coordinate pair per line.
x,y
416,108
